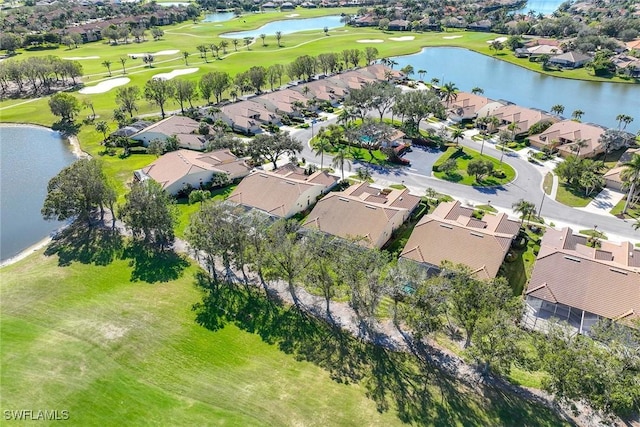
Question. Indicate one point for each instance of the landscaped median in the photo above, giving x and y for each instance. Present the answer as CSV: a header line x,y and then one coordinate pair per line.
x,y
469,167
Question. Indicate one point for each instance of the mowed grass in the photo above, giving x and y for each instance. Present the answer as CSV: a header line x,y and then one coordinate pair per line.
x,y
86,339
96,338
465,155
573,197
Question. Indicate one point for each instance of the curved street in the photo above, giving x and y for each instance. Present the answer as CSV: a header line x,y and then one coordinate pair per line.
x,y
527,185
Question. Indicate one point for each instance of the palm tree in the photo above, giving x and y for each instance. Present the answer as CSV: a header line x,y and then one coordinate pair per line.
x,y
421,74
577,114
326,31
525,208
457,134
477,90
407,70
107,64
449,92
435,81
340,159
223,45
485,130
392,63
321,146
579,144
263,36
203,51
185,55
247,42
235,44
214,49
123,60
496,46
631,174
557,109
279,37
623,118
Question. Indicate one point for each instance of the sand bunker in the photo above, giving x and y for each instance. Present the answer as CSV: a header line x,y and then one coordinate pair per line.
x,y
293,15
105,86
499,40
402,39
80,58
175,73
451,37
161,53
370,41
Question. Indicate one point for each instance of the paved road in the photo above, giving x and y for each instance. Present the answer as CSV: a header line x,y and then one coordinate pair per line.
x,y
527,185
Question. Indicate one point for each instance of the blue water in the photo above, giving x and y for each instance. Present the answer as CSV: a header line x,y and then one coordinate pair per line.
x,y
601,102
546,7
29,158
218,17
289,26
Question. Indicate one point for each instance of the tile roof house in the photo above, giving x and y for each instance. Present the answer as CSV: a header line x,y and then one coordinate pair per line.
x,y
466,106
570,59
580,284
283,192
182,168
399,25
524,117
247,116
182,127
324,91
283,101
450,233
363,211
565,135
613,177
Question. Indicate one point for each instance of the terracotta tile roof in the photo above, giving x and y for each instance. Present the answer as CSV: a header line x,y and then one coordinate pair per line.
x,y
604,281
358,212
567,132
467,104
173,125
524,117
175,165
276,192
449,233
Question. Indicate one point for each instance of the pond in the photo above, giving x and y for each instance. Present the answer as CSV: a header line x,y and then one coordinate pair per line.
x,y
546,7
218,17
29,157
289,26
601,102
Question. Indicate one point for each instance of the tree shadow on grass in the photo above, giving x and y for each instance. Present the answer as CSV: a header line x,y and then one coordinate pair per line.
x,y
88,245
396,381
153,266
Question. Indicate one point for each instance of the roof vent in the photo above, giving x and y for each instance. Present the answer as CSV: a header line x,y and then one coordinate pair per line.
x,y
570,258
446,226
476,234
615,270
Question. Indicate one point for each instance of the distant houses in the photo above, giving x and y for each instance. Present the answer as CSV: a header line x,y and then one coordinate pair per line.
x,y
580,280
363,212
452,233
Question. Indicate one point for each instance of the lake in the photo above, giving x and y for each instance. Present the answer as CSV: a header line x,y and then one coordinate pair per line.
x,y
29,158
218,17
546,7
601,102
289,26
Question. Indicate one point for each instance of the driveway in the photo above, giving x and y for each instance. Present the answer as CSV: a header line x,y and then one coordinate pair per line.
x,y
527,185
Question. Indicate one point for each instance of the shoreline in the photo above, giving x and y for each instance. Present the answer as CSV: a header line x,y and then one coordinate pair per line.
x,y
29,251
77,151
73,140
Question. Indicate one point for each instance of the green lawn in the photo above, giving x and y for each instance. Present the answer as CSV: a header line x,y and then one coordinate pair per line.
x,y
116,337
185,210
633,211
572,197
518,266
547,184
463,157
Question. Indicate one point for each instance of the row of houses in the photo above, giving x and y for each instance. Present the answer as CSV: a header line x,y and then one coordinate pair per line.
x,y
574,279
562,135
250,115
